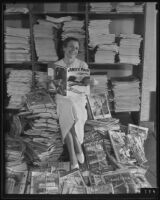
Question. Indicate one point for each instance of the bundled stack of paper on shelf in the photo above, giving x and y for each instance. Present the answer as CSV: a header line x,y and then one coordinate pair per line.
x,y
99,36
99,33
44,136
129,48
17,45
106,53
59,19
100,7
17,10
129,7
75,28
19,83
44,36
126,92
41,79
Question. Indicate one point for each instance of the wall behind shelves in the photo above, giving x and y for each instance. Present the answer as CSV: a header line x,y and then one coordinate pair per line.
x,y
149,69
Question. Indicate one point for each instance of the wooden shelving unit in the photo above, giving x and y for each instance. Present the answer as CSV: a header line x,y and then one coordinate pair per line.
x,y
86,15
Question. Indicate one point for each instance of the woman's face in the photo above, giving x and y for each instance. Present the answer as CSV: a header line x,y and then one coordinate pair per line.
x,y
71,50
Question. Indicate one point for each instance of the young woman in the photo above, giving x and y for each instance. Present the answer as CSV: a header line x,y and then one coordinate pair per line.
x,y
71,109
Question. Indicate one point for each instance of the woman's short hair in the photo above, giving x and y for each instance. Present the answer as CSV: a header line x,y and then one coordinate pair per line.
x,y
67,40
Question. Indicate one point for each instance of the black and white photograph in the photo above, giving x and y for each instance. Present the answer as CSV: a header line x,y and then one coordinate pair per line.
x,y
79,92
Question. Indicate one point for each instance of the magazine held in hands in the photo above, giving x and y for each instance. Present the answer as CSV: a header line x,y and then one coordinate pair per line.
x,y
69,81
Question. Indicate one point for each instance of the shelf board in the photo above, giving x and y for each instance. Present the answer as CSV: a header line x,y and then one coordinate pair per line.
x,y
109,65
18,63
15,13
115,13
8,16
43,62
58,13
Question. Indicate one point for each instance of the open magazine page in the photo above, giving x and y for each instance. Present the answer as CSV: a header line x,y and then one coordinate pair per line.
x,y
99,106
77,81
72,183
69,81
95,156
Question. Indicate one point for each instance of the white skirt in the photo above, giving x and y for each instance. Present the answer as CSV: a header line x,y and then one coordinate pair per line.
x,y
71,110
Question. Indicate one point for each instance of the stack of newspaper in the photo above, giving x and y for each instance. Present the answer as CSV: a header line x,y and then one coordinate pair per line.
x,y
129,48
100,37
75,28
15,9
103,125
44,134
19,83
15,181
17,45
99,33
106,53
14,153
45,37
126,92
100,7
41,79
129,7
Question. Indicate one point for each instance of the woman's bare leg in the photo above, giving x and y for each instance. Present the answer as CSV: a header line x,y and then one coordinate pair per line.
x,y
70,145
77,145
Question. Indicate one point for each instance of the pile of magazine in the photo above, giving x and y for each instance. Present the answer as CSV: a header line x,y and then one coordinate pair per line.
x,y
99,33
19,83
16,168
43,136
104,125
101,7
95,155
117,182
15,181
17,45
105,53
129,7
129,48
18,8
14,152
75,28
126,91
130,146
44,37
